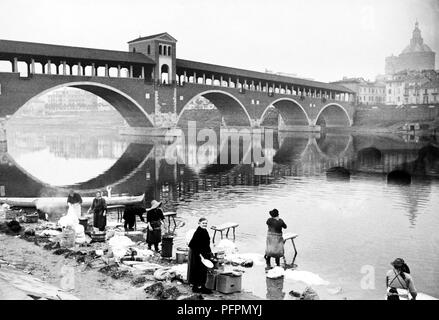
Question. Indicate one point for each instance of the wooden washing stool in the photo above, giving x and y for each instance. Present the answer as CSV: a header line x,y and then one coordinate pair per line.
x,y
224,227
292,236
171,214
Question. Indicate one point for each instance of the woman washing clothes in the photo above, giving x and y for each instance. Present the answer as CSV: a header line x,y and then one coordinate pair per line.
x,y
275,241
154,218
196,270
399,278
99,208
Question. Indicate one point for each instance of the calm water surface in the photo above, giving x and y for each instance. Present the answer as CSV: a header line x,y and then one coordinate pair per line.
x,y
348,229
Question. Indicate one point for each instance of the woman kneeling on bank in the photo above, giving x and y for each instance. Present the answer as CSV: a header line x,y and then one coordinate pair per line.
x,y
199,245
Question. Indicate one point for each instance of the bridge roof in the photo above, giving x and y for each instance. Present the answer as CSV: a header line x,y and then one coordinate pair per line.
x,y
258,76
9,48
164,36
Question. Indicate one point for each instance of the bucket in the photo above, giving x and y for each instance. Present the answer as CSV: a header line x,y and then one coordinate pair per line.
x,y
167,242
84,223
98,237
181,256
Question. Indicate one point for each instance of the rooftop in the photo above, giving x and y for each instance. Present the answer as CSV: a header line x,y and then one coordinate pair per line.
x,y
257,76
21,49
163,35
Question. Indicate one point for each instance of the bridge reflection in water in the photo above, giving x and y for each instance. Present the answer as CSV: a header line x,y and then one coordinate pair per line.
x,y
360,215
49,162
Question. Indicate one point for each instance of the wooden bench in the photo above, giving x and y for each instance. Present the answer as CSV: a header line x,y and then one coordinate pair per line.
x,y
171,214
291,236
120,208
224,227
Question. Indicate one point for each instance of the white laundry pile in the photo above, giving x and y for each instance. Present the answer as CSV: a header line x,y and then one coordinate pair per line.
x,y
71,220
171,273
119,245
306,277
275,272
228,246
243,258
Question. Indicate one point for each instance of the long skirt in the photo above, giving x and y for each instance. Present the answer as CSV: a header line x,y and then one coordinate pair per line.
x,y
155,235
99,220
275,245
196,270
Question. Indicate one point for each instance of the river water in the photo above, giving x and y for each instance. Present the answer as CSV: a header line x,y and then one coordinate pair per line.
x,y
350,228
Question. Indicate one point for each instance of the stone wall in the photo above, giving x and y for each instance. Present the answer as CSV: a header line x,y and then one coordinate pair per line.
x,y
393,114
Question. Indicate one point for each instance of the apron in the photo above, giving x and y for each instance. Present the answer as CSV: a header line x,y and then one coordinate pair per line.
x,y
275,245
154,235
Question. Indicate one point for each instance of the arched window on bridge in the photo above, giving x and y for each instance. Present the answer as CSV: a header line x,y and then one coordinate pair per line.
x,y
160,49
169,51
164,72
149,49
165,50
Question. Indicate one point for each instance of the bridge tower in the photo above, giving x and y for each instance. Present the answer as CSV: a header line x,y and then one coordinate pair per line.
x,y
162,49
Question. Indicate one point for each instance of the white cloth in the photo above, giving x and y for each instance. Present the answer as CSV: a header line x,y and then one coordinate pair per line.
x,y
70,219
75,208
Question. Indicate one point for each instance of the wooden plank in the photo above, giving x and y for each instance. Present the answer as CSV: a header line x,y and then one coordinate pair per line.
x,y
225,226
288,236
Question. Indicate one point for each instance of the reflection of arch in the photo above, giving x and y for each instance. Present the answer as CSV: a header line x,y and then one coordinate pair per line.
x,y
132,160
292,112
231,108
370,156
336,119
399,177
130,110
164,73
291,148
330,149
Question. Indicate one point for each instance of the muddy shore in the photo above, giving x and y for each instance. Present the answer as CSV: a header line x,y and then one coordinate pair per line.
x,y
79,271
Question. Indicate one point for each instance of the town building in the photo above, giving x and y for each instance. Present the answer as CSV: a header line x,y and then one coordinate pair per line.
x,y
416,56
412,87
367,92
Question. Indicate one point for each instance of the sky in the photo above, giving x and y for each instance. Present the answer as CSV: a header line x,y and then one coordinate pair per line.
x,y
319,39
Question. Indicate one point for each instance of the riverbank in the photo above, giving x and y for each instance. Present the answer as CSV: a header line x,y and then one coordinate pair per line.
x,y
83,272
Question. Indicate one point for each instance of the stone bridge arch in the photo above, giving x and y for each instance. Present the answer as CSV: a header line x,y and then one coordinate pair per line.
x,y
129,108
333,115
231,109
292,112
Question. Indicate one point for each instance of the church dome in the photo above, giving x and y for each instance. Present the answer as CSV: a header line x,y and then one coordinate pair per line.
x,y
416,48
416,43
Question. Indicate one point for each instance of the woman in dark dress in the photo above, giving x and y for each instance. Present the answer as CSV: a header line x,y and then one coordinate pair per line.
x,y
129,215
275,241
154,218
196,270
99,208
